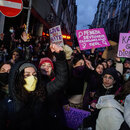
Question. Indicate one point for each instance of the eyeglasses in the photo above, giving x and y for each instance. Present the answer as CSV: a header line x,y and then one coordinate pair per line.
x,y
15,54
108,77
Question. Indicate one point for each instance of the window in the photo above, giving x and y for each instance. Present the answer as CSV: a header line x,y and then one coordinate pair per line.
x,y
108,16
113,13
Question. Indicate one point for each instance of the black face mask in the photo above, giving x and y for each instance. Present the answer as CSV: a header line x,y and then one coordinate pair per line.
x,y
4,79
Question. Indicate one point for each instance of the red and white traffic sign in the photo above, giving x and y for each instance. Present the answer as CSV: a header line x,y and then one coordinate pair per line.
x,y
11,8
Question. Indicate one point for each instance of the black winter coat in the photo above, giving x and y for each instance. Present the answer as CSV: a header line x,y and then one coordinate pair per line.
x,y
17,115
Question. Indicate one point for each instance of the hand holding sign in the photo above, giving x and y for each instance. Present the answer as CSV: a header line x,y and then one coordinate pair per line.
x,y
92,50
78,49
55,48
24,36
89,64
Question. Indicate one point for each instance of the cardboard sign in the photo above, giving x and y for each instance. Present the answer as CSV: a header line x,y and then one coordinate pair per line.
x,y
92,38
56,35
110,52
124,45
74,117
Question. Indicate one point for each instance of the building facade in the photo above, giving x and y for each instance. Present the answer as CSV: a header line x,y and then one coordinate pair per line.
x,y
113,16
43,15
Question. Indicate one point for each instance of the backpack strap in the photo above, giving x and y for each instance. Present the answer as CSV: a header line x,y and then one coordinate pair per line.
x,y
121,112
124,125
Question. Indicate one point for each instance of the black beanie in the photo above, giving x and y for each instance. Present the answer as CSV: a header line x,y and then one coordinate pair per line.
x,y
111,71
127,60
76,58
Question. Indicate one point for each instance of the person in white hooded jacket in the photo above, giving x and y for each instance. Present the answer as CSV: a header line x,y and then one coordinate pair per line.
x,y
110,116
127,110
126,124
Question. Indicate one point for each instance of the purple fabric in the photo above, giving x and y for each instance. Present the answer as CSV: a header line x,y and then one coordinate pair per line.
x,y
74,116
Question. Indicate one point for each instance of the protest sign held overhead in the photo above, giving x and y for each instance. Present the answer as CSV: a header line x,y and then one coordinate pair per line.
x,y
92,38
124,45
56,35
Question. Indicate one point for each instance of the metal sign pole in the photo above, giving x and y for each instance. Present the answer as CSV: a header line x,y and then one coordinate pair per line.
x,y
28,16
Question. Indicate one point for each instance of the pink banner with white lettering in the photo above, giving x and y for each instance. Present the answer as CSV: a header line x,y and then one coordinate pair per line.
x,y
124,45
92,38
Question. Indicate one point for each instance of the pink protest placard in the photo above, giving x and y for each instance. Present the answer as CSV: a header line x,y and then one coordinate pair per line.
x,y
124,45
92,38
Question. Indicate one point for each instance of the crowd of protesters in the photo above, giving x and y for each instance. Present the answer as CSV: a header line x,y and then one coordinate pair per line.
x,y
37,79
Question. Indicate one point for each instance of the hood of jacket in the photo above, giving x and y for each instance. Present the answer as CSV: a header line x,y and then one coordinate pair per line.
x,y
127,110
12,76
108,101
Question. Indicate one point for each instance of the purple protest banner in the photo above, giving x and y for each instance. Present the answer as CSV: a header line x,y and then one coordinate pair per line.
x,y
124,45
92,38
74,117
56,35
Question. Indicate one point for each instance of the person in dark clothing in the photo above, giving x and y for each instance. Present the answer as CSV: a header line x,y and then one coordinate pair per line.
x,y
26,108
7,40
126,65
25,44
104,63
75,85
26,99
110,63
49,71
4,74
109,86
47,68
16,56
94,80
3,53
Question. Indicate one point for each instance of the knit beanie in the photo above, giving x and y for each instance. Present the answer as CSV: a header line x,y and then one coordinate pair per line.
x,y
127,60
26,65
77,57
111,71
46,59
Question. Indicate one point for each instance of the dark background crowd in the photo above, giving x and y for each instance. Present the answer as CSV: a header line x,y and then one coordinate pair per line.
x,y
38,79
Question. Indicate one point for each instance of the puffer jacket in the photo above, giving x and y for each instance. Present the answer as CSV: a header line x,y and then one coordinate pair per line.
x,y
16,115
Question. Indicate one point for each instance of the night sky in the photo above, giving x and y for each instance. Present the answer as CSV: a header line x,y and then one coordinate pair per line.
x,y
86,10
